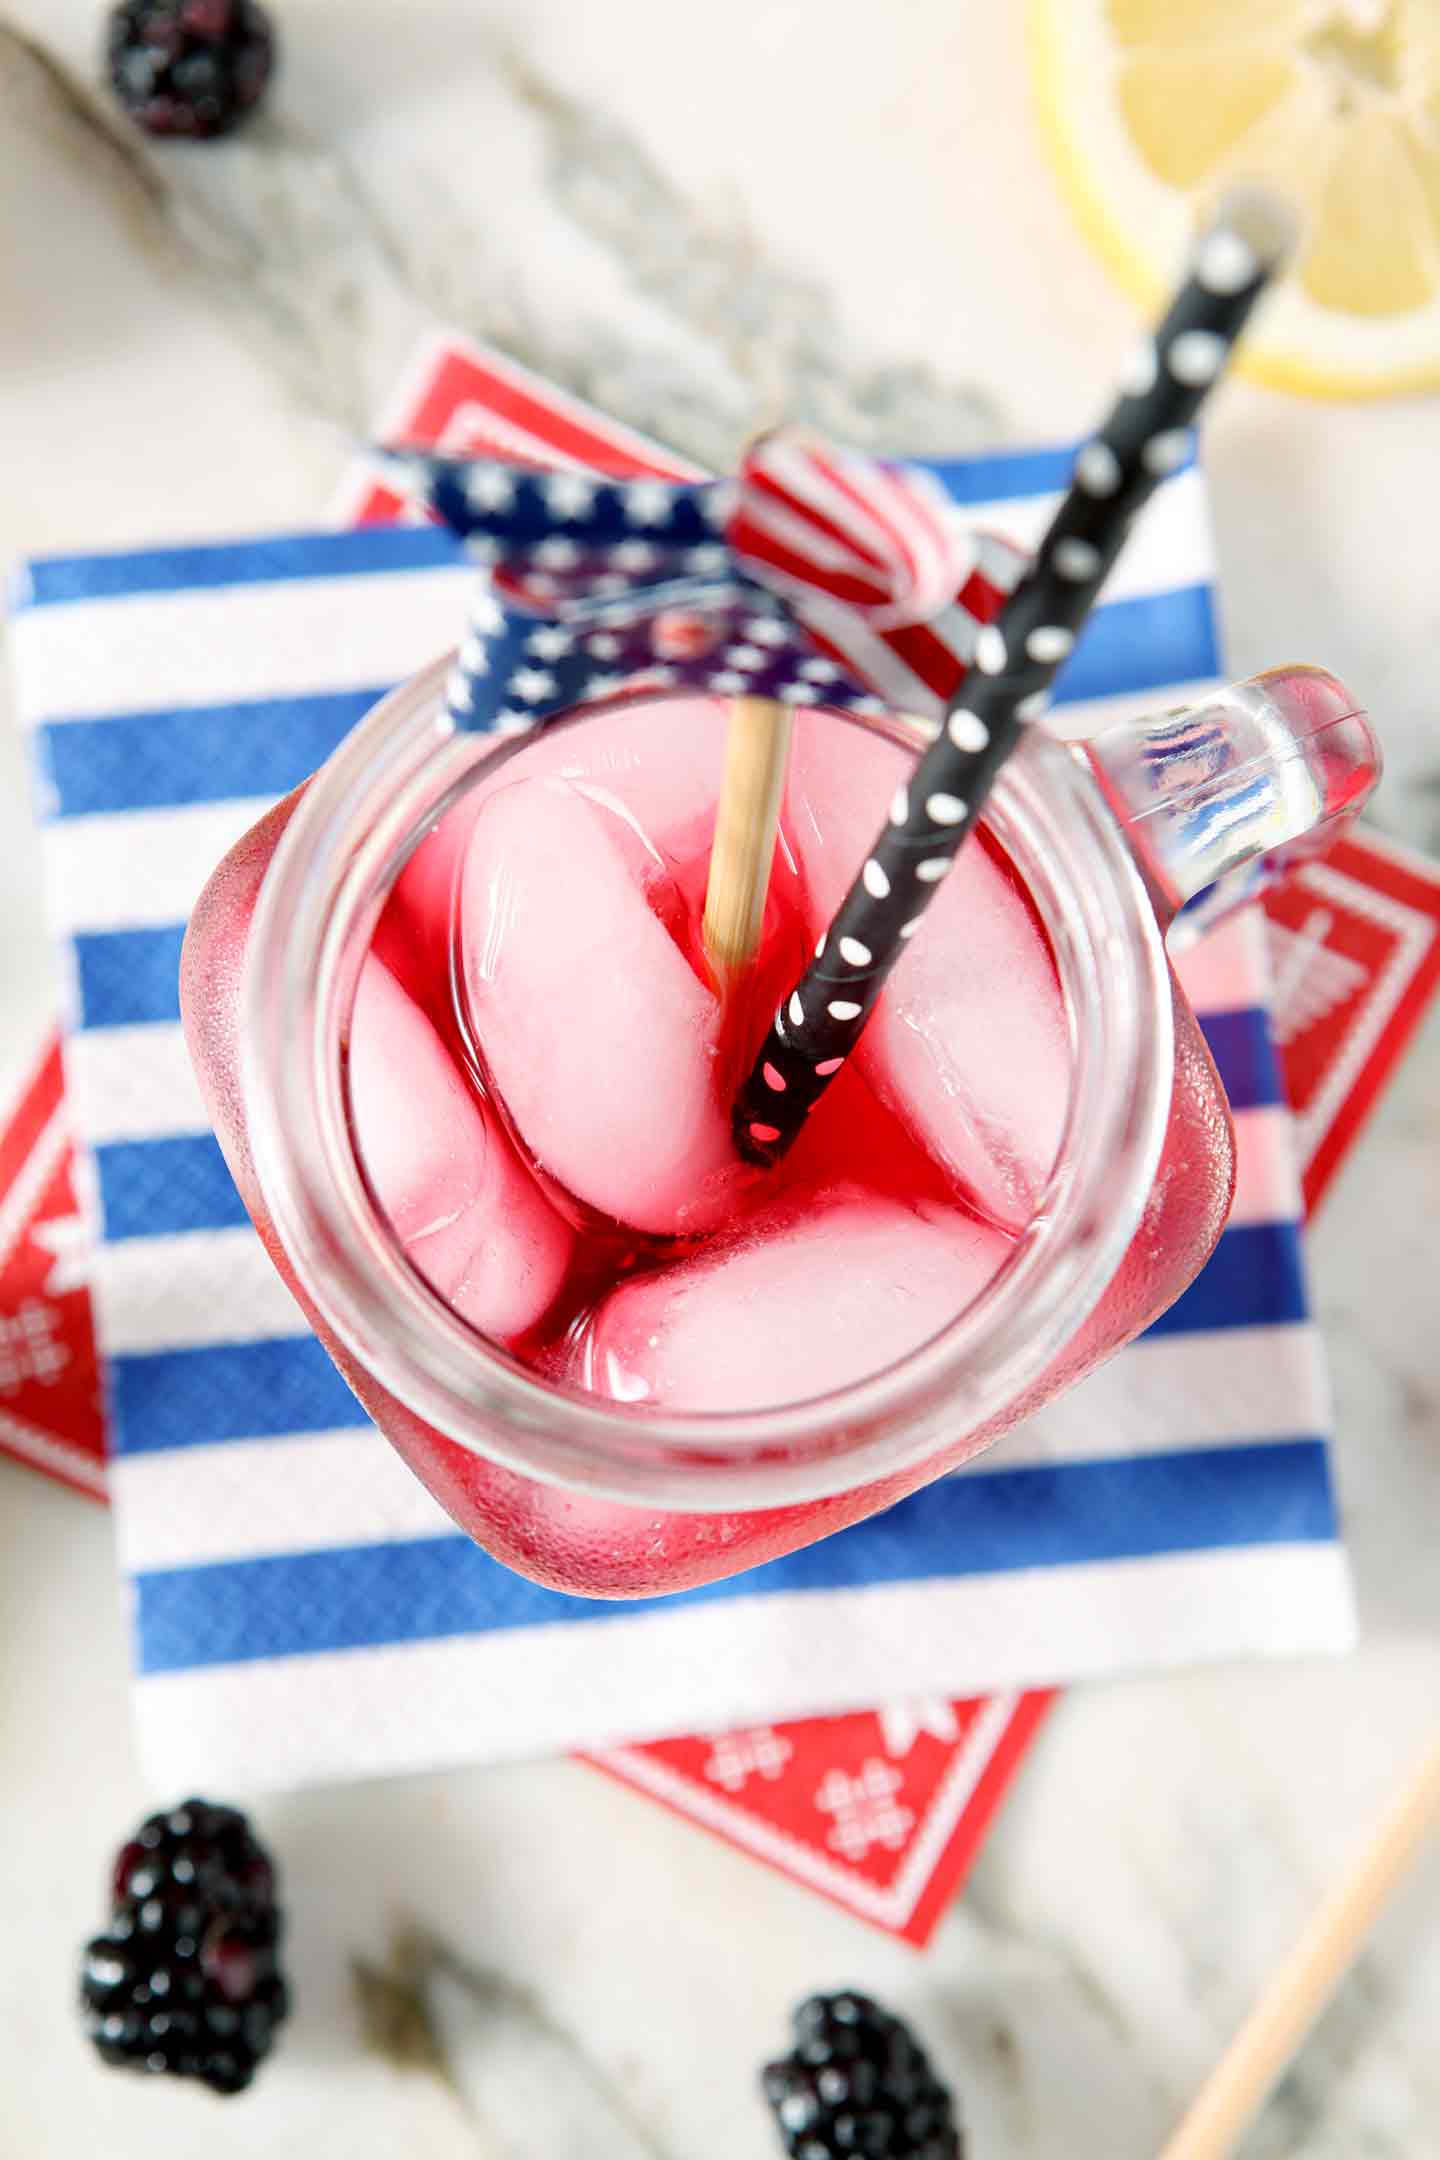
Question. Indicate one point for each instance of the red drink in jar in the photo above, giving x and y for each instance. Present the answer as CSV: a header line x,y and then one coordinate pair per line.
x,y
452,1014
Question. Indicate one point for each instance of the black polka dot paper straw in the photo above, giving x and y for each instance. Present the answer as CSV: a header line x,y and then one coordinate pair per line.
x,y
1145,438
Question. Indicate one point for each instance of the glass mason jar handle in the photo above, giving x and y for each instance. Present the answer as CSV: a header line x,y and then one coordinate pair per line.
x,y
1218,799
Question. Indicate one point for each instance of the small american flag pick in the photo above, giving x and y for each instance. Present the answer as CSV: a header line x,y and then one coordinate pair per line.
x,y
804,580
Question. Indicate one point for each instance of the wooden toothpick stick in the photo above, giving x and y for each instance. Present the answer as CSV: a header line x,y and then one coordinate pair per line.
x,y
1295,1997
756,751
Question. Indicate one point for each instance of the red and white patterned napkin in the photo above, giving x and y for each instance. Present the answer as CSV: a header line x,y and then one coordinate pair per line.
x,y
51,1407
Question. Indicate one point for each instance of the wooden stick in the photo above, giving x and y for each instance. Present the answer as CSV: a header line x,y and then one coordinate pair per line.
x,y
756,751
1299,1991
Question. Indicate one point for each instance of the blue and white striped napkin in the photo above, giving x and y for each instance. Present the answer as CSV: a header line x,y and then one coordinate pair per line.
x,y
303,1610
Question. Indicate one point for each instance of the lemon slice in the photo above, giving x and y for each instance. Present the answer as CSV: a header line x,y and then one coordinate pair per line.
x,y
1152,106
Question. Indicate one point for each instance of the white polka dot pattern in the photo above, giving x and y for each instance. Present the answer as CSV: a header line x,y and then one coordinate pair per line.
x,y
1165,453
990,655
1049,643
967,730
1139,372
1226,263
1097,469
1196,357
1077,561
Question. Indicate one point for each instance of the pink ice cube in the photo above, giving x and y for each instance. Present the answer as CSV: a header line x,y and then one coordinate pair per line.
x,y
968,1045
596,1030
470,1217
822,1290
662,759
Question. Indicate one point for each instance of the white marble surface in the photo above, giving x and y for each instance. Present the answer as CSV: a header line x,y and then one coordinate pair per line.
x,y
184,339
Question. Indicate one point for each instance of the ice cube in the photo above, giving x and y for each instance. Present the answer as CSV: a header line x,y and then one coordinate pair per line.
x,y
818,1292
596,1030
968,1044
662,759
470,1217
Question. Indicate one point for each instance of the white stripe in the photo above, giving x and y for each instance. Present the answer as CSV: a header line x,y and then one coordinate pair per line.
x,y
997,560
133,1083
202,1286
596,1683
794,470
1228,967
1171,1392
1171,546
135,869
310,1492
789,530
1267,1178
1086,717
873,661
957,629
926,542
222,643
43,1453
1079,721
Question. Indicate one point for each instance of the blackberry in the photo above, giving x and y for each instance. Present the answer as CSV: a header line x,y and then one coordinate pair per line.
x,y
858,2083
189,67
185,1979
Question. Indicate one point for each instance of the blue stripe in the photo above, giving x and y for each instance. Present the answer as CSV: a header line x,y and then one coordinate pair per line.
x,y
1149,643
981,1523
1007,474
157,1188
266,746
128,977
196,754
1244,1053
53,580
227,1391
1252,1279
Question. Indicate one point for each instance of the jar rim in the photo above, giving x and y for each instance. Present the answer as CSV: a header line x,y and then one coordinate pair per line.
x,y
353,828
